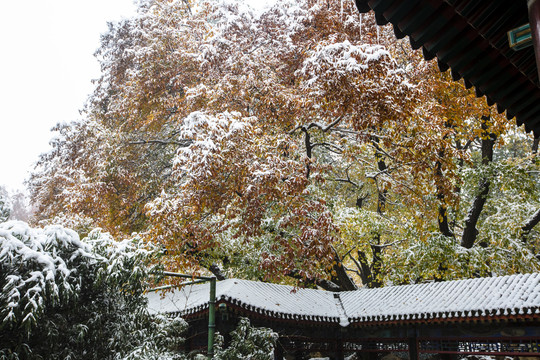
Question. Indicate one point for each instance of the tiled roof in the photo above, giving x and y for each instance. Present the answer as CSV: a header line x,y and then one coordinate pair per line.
x,y
460,300
446,301
470,38
276,301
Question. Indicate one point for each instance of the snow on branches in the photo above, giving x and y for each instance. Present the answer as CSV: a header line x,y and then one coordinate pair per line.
x,y
236,181
40,267
47,268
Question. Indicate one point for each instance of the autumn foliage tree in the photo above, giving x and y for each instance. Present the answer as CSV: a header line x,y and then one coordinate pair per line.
x,y
302,143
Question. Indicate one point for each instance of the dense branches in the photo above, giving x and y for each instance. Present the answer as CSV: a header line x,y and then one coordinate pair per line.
x,y
302,144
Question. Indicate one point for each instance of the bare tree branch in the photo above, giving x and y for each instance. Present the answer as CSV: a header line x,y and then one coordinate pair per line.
x,y
330,147
316,125
182,143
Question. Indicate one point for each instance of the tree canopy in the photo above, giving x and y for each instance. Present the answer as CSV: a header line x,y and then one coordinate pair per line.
x,y
302,143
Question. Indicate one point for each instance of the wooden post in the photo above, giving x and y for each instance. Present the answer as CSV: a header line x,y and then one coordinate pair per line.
x,y
413,348
534,20
211,318
278,351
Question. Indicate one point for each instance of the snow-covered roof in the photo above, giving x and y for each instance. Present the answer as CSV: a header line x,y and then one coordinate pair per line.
x,y
514,295
481,297
277,301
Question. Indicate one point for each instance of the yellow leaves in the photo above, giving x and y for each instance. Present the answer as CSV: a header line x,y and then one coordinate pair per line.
x,y
240,178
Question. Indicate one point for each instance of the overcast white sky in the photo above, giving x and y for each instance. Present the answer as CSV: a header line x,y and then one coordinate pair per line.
x,y
46,68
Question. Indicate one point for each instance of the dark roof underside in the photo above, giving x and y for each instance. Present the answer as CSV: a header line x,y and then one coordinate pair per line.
x,y
470,38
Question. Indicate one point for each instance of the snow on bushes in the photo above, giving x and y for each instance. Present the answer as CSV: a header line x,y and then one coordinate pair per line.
x,y
248,342
62,297
66,298
38,268
5,205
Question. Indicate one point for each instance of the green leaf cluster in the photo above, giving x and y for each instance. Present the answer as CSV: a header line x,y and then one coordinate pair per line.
x,y
247,342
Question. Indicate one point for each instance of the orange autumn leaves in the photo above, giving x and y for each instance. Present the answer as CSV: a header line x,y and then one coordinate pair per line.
x,y
238,182
197,135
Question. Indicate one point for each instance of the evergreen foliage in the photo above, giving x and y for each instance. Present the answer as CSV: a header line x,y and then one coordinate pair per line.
x,y
247,342
5,205
65,298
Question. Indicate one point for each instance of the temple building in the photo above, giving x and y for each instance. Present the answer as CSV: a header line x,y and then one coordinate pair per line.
x,y
483,316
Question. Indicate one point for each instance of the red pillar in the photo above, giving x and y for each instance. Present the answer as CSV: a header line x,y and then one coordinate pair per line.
x,y
534,20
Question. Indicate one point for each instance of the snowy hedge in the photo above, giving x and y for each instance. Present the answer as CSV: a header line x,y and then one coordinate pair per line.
x,y
66,298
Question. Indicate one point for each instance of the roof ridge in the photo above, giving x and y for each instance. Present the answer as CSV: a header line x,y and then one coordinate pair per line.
x,y
343,318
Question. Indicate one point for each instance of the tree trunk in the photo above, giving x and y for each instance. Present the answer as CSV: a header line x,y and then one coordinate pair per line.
x,y
370,273
470,232
216,270
376,266
529,225
365,269
309,149
442,219
342,278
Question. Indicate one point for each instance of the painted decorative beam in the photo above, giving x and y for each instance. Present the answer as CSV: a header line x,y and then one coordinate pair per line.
x,y
520,37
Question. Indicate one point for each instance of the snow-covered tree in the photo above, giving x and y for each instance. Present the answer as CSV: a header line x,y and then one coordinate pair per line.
x,y
301,143
66,298
5,205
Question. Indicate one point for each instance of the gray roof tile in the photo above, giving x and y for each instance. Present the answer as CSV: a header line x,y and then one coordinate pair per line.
x,y
483,297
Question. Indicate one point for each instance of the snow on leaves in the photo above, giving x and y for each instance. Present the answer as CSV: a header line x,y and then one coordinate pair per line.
x,y
46,267
232,179
365,74
281,142
39,265
344,58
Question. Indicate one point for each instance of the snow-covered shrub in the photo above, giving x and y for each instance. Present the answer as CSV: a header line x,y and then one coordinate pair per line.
x,y
66,298
248,342
160,340
5,205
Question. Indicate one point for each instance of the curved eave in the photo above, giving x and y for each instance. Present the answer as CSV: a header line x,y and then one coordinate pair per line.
x,y
469,37
250,310
507,315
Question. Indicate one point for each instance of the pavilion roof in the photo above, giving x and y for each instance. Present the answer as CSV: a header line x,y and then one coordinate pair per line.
x,y
514,296
272,300
470,38
460,300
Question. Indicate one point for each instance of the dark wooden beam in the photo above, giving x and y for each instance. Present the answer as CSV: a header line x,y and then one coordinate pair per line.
x,y
534,20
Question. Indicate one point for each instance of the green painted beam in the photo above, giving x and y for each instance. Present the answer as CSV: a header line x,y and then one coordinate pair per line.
x,y
520,37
